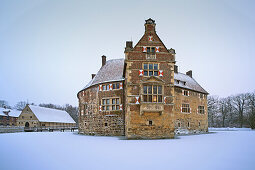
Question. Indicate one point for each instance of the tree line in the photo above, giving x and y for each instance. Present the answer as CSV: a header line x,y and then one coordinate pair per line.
x,y
232,111
72,110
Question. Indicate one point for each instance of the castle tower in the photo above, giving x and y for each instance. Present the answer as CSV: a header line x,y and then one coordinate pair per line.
x,y
149,87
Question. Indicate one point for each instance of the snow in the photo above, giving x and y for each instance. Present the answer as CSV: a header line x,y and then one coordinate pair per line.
x,y
51,115
190,82
13,112
221,150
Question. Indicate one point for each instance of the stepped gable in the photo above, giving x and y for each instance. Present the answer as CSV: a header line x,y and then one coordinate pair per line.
x,y
190,83
111,71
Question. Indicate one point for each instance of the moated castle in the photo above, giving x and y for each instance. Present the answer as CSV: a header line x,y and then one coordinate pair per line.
x,y
143,95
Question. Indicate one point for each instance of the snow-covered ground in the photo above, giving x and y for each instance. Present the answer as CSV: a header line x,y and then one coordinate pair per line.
x,y
222,150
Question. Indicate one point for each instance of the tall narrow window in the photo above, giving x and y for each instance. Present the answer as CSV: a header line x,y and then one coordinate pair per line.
x,y
152,93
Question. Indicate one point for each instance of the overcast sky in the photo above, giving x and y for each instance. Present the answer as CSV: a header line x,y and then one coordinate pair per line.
x,y
48,49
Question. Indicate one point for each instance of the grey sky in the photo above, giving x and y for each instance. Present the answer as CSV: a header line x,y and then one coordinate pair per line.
x,y
48,49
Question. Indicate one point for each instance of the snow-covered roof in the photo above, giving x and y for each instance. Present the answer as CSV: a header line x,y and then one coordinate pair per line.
x,y
51,115
12,112
111,71
190,83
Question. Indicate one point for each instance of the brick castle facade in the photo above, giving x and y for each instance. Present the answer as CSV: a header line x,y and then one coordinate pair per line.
x,y
144,95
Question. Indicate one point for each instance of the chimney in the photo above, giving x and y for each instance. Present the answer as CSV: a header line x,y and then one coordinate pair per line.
x,y
150,25
189,73
129,46
93,75
175,68
103,60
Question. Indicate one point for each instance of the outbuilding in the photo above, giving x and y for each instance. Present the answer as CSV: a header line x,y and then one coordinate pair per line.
x,y
36,116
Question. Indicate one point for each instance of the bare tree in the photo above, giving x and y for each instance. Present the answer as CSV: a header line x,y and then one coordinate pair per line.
x,y
20,105
4,103
251,110
223,110
212,110
239,102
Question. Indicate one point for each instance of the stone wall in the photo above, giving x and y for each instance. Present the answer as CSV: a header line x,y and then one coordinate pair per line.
x,y
95,121
194,122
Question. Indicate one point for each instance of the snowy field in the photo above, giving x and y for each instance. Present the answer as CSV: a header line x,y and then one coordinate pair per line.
x,y
221,150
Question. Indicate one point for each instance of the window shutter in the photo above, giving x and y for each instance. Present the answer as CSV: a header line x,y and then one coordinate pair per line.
x,y
161,73
183,92
100,108
157,49
188,93
150,38
100,87
165,100
144,49
120,106
140,72
137,100
110,86
121,86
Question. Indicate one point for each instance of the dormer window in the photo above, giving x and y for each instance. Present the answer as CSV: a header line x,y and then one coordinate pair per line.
x,y
184,83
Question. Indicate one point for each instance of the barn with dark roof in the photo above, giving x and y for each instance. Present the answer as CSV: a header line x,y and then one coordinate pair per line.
x,y
143,95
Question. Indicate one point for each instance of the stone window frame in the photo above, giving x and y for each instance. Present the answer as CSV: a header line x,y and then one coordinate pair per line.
x,y
185,108
116,84
106,87
185,92
148,70
201,109
201,95
152,93
110,105
149,53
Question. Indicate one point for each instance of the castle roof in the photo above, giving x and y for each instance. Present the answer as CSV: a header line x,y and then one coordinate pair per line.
x,y
113,71
51,115
187,82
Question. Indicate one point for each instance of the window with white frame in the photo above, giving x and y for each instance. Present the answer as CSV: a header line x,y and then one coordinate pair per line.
x,y
185,108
